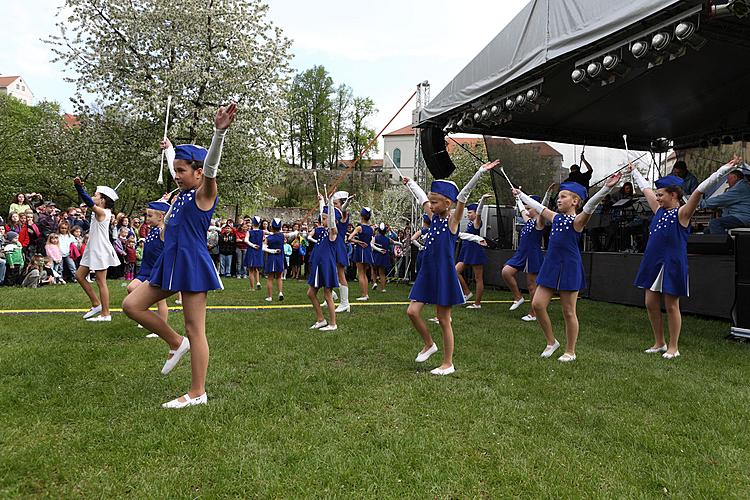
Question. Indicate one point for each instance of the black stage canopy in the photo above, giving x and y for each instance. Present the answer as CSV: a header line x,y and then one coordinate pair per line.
x,y
693,90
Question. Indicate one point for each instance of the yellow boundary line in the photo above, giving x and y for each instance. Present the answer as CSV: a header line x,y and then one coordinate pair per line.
x,y
8,312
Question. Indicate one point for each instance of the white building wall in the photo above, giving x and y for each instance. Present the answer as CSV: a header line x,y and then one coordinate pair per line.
x,y
20,91
406,144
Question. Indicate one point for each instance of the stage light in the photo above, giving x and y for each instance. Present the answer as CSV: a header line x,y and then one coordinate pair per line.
x,y
640,50
496,109
685,33
535,96
477,117
510,103
727,139
739,8
661,145
520,100
614,65
450,125
466,121
485,114
579,78
594,69
662,41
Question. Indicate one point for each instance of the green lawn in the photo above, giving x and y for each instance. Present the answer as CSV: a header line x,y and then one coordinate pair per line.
x,y
296,413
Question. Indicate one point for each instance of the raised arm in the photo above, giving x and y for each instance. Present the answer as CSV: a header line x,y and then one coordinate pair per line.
x,y
99,211
480,206
584,161
588,209
688,209
332,229
166,146
643,185
206,193
418,194
543,211
463,195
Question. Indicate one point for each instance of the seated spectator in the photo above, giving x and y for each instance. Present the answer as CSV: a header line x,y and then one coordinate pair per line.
x,y
689,181
33,276
734,204
2,254
48,275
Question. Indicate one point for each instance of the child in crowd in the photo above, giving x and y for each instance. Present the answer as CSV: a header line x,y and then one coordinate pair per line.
x,y
130,259
64,242
48,273
562,269
437,282
52,249
361,238
2,254
185,264
664,268
13,258
323,272
98,254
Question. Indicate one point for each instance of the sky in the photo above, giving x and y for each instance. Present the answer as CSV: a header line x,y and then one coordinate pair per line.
x,y
381,50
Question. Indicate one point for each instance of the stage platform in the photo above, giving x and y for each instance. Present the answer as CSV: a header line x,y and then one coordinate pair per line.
x,y
610,276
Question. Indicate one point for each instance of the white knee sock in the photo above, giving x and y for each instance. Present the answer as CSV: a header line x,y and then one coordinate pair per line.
x,y
344,295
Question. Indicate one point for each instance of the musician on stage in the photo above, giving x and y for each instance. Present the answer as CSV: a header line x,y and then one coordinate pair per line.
x,y
734,204
582,178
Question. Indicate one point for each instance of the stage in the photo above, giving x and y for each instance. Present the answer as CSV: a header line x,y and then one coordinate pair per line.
x,y
610,276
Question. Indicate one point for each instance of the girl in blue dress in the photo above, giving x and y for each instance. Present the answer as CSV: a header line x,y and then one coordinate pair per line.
x,y
417,239
437,282
472,254
528,257
361,238
254,255
562,269
152,248
664,268
323,272
274,266
185,264
341,200
381,253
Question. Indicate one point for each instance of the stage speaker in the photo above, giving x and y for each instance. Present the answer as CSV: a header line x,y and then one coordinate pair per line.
x,y
741,238
709,244
741,309
432,140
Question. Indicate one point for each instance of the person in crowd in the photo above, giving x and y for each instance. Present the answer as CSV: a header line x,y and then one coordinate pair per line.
x,y
52,250
212,243
120,245
13,259
361,238
689,181
19,205
437,282
624,193
240,249
33,276
472,254
664,269
295,259
48,274
323,269
65,240
734,204
185,264
77,247
562,269
80,218
227,247
580,177
98,255
2,254
14,222
33,236
130,259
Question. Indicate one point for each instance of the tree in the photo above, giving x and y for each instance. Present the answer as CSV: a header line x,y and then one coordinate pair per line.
x,y
358,135
311,115
342,101
132,54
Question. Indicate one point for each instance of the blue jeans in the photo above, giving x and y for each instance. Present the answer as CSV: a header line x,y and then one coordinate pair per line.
x,y
69,265
2,271
240,258
721,224
226,265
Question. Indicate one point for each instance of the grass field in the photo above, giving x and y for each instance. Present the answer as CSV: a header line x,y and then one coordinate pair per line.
x,y
297,413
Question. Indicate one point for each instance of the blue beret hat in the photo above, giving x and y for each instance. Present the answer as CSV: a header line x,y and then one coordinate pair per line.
x,y
190,152
669,180
472,206
159,205
365,212
576,188
445,188
256,220
276,223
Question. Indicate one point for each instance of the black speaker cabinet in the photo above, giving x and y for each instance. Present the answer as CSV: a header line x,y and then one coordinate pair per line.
x,y
741,309
741,254
432,140
709,244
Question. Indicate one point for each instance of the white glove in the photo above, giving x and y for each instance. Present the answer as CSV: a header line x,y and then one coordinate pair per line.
x,y
594,201
640,180
471,237
417,191
528,200
463,196
211,164
715,178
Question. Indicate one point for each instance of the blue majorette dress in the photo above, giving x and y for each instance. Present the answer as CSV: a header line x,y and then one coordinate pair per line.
x,y
185,264
563,267
664,267
420,253
363,254
528,257
323,272
316,236
152,248
254,257
437,280
472,254
382,259
342,254
275,261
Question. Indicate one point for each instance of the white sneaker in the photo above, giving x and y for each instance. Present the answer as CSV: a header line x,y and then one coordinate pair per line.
x,y
375,286
468,296
100,318
424,356
268,299
550,350
329,328
176,356
655,350
257,285
529,317
334,295
139,325
344,308
281,297
362,299
474,306
176,403
178,302
434,320
443,371
93,312
517,303
667,355
567,358
319,324
152,336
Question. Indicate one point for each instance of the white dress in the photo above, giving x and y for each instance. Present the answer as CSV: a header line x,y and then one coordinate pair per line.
x,y
99,253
